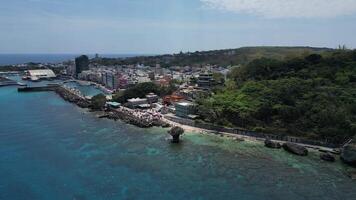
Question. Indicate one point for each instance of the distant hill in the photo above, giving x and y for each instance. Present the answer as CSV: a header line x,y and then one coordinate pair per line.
x,y
223,57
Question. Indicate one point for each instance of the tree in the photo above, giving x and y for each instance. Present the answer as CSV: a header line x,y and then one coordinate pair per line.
x,y
314,58
219,77
312,97
98,102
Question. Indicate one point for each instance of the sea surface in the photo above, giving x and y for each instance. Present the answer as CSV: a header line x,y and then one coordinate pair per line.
x,y
51,149
11,59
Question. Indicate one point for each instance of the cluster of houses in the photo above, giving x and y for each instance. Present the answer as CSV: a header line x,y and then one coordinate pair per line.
x,y
193,82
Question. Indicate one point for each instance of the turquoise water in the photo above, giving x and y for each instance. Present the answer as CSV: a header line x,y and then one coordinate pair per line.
x,y
50,149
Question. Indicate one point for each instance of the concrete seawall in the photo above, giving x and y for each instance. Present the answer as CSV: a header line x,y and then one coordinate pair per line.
x,y
38,89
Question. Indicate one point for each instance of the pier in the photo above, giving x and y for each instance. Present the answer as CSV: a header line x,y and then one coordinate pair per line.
x,y
46,88
4,81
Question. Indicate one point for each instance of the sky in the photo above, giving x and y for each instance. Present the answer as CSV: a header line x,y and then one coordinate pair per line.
x,y
170,26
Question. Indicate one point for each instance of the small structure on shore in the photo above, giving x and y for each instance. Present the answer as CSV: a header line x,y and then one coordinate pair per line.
x,y
295,149
175,132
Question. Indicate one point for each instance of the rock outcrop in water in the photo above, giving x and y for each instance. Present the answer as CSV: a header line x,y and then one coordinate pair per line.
x,y
176,132
295,149
348,154
327,157
271,144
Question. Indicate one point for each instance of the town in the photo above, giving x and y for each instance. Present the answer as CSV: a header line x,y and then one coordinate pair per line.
x,y
183,84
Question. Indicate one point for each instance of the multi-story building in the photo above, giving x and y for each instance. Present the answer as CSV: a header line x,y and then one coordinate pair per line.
x,y
81,64
185,109
205,80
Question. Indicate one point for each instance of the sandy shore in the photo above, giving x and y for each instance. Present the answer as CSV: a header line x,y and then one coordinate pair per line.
x,y
241,137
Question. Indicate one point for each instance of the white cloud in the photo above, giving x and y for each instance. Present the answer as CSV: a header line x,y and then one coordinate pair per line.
x,y
286,8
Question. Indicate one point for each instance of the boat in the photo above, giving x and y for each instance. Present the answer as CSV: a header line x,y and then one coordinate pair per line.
x,y
35,79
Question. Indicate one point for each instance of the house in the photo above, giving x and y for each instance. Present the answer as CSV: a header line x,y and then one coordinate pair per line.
x,y
152,98
135,102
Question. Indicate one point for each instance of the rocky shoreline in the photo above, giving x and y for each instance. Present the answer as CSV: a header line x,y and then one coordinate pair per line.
x,y
73,98
131,119
114,114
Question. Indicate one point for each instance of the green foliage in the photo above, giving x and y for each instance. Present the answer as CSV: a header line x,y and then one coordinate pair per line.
x,y
226,57
218,77
313,97
98,102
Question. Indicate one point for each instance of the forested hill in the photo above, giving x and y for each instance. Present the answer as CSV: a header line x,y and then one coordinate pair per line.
x,y
218,57
313,97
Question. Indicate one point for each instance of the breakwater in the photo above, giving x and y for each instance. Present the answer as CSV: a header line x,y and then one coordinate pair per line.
x,y
72,97
140,119
129,116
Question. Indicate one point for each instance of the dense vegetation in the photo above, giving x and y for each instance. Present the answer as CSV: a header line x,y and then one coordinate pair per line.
x,y
142,89
217,57
98,102
313,97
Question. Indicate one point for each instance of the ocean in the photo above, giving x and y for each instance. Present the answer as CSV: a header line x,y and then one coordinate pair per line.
x,y
11,59
51,149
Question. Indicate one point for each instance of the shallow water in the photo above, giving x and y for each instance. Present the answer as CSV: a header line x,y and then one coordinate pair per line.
x,y
50,149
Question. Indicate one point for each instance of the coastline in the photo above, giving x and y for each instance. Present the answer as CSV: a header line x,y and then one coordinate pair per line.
x,y
126,117
243,137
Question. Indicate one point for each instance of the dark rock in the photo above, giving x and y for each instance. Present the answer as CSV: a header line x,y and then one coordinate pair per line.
x,y
348,154
351,174
295,149
327,157
271,144
165,125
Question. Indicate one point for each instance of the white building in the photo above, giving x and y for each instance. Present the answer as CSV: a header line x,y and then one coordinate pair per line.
x,y
41,74
136,102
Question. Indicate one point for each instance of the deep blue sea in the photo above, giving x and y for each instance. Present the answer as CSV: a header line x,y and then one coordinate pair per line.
x,y
51,149
10,59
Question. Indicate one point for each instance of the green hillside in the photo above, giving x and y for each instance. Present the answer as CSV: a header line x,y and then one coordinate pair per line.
x,y
219,57
313,97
